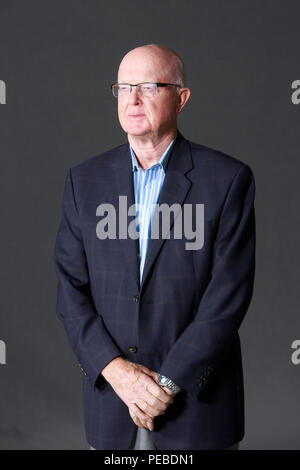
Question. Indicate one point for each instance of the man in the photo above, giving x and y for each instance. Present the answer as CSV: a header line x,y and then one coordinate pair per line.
x,y
154,325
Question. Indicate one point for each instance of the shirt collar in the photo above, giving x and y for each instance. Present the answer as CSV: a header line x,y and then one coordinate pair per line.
x,y
162,162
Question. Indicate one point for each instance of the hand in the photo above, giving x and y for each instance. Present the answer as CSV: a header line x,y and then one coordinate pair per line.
x,y
134,412
137,418
137,387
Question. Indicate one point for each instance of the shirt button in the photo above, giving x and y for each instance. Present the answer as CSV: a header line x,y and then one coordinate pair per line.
x,y
132,349
147,186
136,297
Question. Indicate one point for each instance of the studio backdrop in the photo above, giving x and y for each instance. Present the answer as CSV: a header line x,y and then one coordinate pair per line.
x,y
57,61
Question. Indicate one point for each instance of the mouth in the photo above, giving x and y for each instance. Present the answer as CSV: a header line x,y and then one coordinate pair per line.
x,y
136,116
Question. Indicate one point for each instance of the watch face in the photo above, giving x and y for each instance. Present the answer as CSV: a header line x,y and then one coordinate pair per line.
x,y
162,380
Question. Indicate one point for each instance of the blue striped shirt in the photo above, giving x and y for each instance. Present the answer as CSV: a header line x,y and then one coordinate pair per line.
x,y
147,186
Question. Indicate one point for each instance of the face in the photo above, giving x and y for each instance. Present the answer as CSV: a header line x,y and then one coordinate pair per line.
x,y
138,115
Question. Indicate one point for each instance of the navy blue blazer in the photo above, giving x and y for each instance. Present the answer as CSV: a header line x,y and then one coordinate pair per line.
x,y
183,319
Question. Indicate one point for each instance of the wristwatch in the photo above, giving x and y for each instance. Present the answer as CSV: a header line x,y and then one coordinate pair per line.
x,y
165,382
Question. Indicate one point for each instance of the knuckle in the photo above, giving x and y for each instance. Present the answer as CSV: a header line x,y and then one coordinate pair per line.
x,y
141,404
153,401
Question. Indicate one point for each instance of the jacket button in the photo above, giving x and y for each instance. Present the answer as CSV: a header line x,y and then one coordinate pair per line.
x,y
132,349
136,297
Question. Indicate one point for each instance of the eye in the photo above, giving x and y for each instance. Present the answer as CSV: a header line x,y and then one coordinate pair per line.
x,y
148,86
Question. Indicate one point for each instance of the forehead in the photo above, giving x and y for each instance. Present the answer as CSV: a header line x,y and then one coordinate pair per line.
x,y
140,67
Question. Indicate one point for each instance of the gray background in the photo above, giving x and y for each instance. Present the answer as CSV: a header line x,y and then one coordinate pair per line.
x,y
58,59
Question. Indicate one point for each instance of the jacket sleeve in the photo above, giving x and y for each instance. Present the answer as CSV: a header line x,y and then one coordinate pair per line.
x,y
85,329
203,345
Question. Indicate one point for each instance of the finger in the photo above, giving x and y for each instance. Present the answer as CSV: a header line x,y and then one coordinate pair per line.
x,y
135,419
169,392
153,402
162,393
146,423
154,375
141,416
156,390
138,422
150,410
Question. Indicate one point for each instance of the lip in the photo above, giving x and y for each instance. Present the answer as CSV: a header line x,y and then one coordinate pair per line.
x,y
136,115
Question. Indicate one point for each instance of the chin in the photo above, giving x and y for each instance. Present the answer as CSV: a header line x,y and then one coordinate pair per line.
x,y
135,130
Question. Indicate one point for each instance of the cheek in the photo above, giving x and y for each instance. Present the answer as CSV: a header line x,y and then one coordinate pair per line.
x,y
155,112
165,110
162,113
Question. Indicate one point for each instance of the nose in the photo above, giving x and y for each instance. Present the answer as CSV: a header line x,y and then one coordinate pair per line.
x,y
134,97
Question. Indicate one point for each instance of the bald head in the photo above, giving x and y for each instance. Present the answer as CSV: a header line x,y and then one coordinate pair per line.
x,y
161,63
151,117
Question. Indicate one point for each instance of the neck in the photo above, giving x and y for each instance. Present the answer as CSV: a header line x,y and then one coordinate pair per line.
x,y
149,149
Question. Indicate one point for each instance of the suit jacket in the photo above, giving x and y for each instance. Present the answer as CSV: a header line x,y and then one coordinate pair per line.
x,y
182,320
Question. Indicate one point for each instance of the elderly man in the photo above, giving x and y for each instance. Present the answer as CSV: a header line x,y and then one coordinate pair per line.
x,y
154,325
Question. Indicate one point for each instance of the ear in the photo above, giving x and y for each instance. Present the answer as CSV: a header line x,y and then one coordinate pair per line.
x,y
183,96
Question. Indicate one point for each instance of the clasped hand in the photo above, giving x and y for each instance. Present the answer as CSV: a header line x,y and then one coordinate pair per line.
x,y
137,386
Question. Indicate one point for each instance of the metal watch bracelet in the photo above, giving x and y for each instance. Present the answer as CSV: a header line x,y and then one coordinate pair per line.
x,y
168,383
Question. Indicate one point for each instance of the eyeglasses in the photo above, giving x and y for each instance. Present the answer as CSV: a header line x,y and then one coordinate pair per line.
x,y
144,89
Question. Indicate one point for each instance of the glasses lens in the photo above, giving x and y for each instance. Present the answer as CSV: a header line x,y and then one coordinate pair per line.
x,y
148,89
123,89
144,89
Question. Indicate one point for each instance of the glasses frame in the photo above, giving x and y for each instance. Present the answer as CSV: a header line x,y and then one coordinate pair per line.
x,y
158,84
